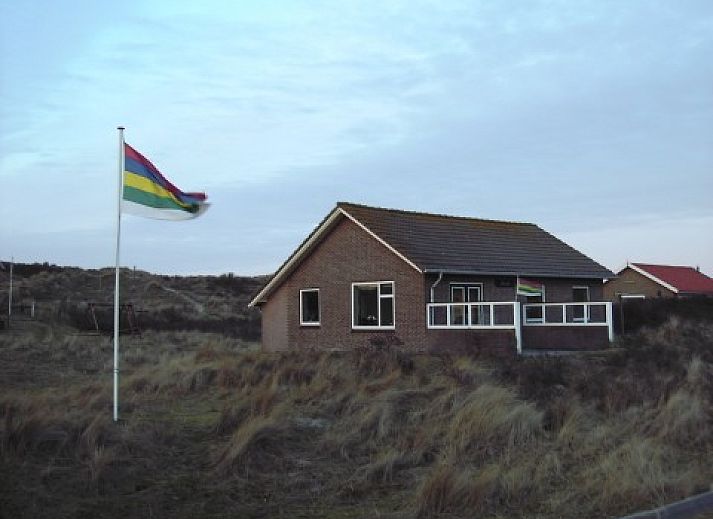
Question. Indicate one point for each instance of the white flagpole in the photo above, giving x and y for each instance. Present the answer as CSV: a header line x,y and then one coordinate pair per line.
x,y
120,185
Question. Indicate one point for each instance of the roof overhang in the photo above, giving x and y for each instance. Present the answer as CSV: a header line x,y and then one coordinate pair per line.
x,y
306,247
511,274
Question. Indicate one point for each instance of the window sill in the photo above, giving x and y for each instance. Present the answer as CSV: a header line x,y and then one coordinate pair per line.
x,y
373,328
310,325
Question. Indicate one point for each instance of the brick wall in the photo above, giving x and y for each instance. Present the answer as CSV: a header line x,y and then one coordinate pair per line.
x,y
565,337
631,282
346,255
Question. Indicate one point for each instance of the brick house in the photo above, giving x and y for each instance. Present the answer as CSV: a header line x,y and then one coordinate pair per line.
x,y
432,282
645,281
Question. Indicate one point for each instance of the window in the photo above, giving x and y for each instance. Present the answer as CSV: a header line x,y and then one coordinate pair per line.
x,y
373,305
534,314
471,293
580,295
309,307
466,293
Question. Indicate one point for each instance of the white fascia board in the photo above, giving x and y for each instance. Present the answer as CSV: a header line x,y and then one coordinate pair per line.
x,y
380,240
653,278
306,246
296,257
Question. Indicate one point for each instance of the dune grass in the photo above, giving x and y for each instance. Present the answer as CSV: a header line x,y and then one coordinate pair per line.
x,y
213,428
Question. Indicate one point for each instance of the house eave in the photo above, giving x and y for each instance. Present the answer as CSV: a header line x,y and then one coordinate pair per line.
x,y
461,272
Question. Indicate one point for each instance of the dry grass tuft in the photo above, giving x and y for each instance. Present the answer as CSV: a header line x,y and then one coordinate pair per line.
x,y
492,417
247,442
635,475
685,419
439,492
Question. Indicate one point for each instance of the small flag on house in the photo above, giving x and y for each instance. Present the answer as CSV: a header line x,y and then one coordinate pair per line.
x,y
526,287
148,193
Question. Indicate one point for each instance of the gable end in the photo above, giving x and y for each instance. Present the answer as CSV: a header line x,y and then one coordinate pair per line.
x,y
308,245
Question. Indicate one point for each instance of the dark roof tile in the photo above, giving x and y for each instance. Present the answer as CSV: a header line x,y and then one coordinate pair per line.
x,y
458,244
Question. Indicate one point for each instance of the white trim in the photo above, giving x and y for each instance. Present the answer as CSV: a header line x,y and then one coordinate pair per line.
x,y
469,326
380,240
534,319
585,310
653,278
580,287
579,322
631,296
379,297
280,274
307,245
516,325
466,287
318,322
517,316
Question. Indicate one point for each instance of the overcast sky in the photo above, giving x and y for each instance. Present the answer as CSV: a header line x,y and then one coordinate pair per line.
x,y
592,119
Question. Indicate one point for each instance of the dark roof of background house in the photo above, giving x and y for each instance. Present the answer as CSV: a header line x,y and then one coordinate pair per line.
x,y
685,279
470,245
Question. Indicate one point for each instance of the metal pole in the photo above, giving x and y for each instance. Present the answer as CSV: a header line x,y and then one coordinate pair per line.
x,y
119,189
9,294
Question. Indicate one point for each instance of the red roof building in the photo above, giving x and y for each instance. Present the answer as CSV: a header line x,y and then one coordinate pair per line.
x,y
643,280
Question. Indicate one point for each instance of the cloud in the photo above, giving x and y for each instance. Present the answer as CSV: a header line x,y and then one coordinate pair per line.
x,y
573,116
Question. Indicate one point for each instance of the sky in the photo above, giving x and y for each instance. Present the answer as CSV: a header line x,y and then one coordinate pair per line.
x,y
592,119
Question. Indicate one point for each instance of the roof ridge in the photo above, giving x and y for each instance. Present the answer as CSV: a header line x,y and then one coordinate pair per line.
x,y
437,215
661,265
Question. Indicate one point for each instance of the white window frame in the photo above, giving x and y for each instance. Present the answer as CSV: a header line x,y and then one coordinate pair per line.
x,y
535,319
586,315
318,322
466,287
631,296
379,297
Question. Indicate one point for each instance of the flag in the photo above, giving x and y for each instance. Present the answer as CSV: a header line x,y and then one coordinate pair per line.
x,y
148,193
527,287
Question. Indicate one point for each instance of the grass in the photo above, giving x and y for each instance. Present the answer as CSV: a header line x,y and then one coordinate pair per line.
x,y
213,428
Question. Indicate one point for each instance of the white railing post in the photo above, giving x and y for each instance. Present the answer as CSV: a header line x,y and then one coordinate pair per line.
x,y
492,314
610,321
517,318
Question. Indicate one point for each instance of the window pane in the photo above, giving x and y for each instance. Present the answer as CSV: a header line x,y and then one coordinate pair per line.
x,y
387,311
474,294
365,306
580,295
387,288
310,306
536,298
458,315
533,313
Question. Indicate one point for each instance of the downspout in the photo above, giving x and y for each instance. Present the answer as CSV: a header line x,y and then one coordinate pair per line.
x,y
440,277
